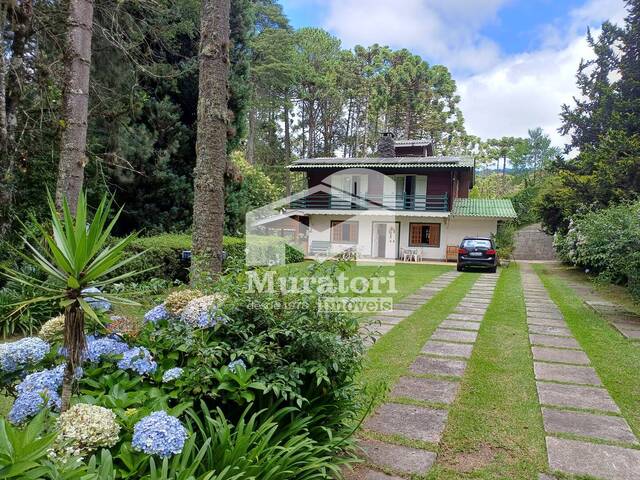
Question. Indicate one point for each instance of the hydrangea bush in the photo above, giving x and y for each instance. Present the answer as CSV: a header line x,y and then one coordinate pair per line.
x,y
139,360
23,353
203,312
176,301
159,434
84,428
52,329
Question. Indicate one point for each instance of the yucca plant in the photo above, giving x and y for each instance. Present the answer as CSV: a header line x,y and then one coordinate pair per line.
x,y
76,256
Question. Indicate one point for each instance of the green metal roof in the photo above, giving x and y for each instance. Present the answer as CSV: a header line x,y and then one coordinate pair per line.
x,y
483,207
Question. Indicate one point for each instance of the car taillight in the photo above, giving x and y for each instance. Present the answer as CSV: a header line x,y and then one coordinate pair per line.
x,y
491,252
463,251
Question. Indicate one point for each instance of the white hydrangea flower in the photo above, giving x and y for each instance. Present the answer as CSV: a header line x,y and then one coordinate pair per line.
x,y
52,329
203,312
84,428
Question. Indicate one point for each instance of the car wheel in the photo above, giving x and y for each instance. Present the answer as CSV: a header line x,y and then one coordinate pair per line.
x,y
460,268
492,270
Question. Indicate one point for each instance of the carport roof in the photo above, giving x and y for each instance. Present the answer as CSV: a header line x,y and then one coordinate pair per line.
x,y
483,207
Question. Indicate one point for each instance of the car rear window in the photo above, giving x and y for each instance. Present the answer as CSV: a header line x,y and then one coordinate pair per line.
x,y
476,243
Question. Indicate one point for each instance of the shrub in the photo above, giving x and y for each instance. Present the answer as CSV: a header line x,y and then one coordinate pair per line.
x,y
605,242
165,252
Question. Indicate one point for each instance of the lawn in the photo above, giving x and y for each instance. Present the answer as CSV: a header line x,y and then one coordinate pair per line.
x,y
494,429
615,358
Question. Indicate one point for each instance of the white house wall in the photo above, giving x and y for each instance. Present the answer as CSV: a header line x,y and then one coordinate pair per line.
x,y
452,231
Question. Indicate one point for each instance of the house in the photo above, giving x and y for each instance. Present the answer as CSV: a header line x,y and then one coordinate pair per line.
x,y
405,199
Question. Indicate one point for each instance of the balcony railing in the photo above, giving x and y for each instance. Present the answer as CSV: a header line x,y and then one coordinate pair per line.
x,y
419,203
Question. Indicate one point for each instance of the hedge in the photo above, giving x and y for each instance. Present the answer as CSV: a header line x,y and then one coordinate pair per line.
x,y
605,242
165,252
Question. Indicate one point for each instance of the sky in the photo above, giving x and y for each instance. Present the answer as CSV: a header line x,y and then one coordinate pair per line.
x,y
514,61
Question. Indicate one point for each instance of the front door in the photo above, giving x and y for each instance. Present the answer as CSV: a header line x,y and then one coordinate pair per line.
x,y
385,240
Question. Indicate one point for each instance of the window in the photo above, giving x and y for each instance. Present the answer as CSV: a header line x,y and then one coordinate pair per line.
x,y
477,243
424,235
344,232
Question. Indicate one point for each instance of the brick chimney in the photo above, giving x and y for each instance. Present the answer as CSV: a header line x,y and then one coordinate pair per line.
x,y
387,145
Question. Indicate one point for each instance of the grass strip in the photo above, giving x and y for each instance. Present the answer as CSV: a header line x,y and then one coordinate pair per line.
x,y
615,358
390,357
495,427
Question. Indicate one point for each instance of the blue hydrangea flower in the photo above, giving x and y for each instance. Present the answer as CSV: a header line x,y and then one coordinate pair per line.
x,y
97,348
18,355
171,374
43,380
157,313
32,392
98,303
29,404
139,360
159,434
233,366
203,312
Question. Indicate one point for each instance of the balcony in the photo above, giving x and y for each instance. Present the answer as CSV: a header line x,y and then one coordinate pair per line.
x,y
401,202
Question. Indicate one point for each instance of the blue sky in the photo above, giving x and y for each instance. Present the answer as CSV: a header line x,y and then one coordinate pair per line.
x,y
514,60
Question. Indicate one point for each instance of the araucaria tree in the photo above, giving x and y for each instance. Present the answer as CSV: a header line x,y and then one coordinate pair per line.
x,y
211,144
75,103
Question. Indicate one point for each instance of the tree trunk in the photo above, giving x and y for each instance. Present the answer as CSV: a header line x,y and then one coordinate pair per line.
x,y
211,145
251,137
20,17
3,107
73,143
287,146
75,345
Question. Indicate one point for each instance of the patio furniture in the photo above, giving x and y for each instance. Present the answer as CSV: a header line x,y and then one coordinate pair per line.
x,y
319,247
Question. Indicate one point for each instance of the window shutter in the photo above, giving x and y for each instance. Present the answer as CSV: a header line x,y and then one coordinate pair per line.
x,y
434,235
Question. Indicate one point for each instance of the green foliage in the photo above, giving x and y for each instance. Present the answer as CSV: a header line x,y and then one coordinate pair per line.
x,y
254,190
603,125
495,186
268,445
77,257
605,242
504,239
165,252
24,455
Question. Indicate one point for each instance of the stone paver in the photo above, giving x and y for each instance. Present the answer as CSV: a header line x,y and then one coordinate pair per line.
x,y
551,341
410,421
459,324
448,349
426,389
465,317
454,335
368,474
601,461
472,311
570,456
438,366
550,322
575,396
546,354
604,427
401,459
566,373
396,313
546,330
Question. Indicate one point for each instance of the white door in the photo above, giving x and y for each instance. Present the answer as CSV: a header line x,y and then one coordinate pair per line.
x,y
386,237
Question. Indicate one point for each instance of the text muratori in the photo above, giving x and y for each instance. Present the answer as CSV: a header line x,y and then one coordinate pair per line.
x,y
265,282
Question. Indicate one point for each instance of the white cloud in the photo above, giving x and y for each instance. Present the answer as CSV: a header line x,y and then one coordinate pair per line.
x,y
445,31
527,90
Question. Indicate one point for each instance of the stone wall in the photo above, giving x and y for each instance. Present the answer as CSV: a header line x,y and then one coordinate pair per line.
x,y
531,243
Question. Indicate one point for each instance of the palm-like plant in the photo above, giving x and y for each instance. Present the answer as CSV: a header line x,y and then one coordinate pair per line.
x,y
76,256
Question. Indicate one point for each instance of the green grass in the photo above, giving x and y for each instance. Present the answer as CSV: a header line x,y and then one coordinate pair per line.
x,y
409,277
495,428
615,358
395,351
